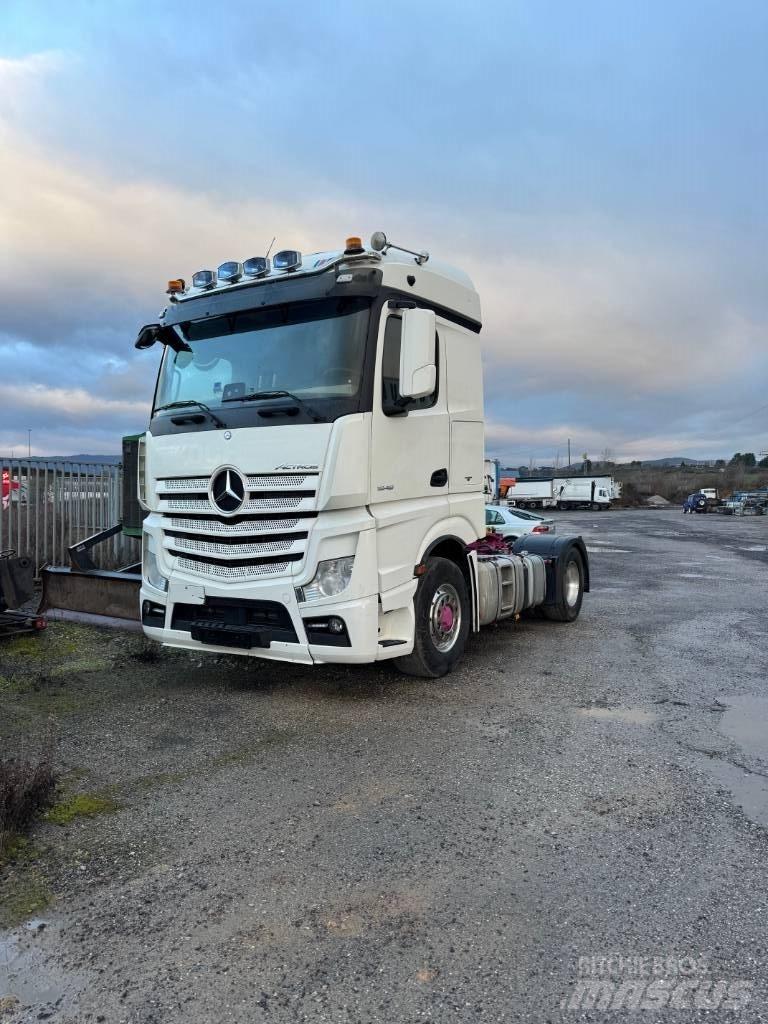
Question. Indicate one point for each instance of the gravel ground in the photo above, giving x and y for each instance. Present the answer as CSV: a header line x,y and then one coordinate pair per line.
x,y
576,804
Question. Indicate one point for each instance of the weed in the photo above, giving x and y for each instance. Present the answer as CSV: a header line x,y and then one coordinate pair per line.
x,y
26,789
147,652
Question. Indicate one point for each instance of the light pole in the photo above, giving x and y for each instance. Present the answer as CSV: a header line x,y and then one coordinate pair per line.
x,y
29,442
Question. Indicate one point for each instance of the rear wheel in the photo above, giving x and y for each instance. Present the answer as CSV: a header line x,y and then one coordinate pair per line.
x,y
442,621
570,590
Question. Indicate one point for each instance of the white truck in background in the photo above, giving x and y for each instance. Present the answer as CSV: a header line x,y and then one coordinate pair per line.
x,y
491,481
574,492
313,470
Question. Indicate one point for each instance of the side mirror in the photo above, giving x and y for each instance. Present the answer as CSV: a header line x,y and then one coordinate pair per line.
x,y
151,333
418,373
147,336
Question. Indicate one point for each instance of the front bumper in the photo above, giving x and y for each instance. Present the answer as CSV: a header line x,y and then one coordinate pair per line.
x,y
360,616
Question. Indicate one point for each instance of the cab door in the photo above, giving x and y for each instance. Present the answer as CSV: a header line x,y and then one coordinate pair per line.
x,y
410,450
409,457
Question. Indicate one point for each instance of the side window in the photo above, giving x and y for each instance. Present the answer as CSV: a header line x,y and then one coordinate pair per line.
x,y
392,403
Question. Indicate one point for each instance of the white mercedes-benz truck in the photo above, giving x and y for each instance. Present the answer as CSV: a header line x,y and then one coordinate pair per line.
x,y
313,469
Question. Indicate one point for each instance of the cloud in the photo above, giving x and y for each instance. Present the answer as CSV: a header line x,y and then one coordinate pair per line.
x,y
70,403
617,330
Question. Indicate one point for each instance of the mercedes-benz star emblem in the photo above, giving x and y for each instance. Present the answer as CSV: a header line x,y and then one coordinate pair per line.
x,y
228,491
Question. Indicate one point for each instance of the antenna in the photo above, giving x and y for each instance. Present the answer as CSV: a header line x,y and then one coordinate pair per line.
x,y
269,250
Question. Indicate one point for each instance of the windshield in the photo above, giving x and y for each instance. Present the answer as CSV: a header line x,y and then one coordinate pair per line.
x,y
312,350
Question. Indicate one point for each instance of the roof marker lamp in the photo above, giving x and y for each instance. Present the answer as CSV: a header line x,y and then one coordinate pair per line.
x,y
287,259
256,266
230,272
204,279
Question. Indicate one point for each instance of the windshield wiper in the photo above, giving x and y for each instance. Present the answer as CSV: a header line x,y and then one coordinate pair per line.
x,y
190,404
257,396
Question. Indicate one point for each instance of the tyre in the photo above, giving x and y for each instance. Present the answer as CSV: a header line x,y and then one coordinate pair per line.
x,y
571,590
442,610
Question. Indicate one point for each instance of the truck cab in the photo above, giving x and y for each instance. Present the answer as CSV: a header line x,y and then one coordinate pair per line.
x,y
314,461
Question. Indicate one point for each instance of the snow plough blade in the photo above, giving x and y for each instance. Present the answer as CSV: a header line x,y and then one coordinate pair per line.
x,y
78,595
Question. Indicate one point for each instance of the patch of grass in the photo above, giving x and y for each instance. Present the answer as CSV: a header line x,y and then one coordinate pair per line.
x,y
21,897
17,850
26,647
26,789
81,805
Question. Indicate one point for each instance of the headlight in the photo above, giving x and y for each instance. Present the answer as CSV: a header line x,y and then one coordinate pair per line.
x,y
150,567
332,576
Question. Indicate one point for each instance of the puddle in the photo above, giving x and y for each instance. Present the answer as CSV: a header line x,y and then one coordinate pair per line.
x,y
635,716
25,970
746,722
607,551
749,791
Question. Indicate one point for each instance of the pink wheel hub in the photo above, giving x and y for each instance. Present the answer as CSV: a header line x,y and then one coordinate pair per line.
x,y
446,617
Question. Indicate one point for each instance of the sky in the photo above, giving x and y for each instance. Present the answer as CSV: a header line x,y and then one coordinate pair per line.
x,y
600,168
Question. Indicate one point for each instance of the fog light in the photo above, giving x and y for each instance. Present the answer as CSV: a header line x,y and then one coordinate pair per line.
x,y
335,625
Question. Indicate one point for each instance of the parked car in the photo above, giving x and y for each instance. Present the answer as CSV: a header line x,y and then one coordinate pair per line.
x,y
695,503
512,523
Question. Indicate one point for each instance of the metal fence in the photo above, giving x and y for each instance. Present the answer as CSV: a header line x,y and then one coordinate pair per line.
x,y
48,506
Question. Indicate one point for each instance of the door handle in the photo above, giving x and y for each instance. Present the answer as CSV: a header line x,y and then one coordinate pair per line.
x,y
439,478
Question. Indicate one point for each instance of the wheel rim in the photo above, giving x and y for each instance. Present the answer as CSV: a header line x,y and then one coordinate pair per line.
x,y
572,584
445,617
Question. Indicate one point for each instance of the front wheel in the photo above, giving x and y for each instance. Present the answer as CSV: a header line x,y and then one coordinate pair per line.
x,y
570,590
442,614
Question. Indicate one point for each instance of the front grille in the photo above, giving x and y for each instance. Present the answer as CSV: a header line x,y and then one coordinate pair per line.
x,y
268,615
273,480
231,549
185,483
229,572
251,505
237,526
267,535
